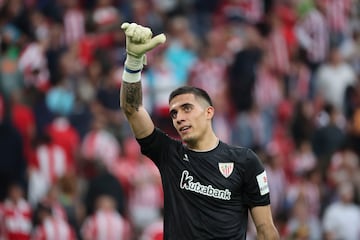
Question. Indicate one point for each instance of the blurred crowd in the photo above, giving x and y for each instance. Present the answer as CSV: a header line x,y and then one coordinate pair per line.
x,y
284,76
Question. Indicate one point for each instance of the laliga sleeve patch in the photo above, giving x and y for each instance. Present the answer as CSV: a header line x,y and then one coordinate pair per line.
x,y
263,183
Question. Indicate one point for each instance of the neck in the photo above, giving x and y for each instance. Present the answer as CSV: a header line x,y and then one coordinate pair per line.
x,y
207,143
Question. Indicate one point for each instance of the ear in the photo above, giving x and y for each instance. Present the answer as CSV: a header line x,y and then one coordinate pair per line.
x,y
210,111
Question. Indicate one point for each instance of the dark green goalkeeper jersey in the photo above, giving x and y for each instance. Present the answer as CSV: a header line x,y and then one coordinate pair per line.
x,y
207,195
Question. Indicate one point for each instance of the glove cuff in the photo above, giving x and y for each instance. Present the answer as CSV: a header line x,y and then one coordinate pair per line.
x,y
134,63
131,76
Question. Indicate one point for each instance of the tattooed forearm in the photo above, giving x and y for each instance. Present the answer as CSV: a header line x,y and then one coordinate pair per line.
x,y
130,97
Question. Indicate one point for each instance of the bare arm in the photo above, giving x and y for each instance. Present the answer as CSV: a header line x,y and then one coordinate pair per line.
x,y
139,40
131,104
264,224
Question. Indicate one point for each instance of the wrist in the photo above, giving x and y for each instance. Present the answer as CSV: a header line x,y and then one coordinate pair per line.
x,y
134,63
131,76
132,68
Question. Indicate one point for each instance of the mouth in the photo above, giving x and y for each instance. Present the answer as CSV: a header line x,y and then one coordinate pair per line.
x,y
184,129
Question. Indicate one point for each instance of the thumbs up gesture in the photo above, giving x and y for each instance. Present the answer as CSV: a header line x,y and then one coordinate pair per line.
x,y
139,39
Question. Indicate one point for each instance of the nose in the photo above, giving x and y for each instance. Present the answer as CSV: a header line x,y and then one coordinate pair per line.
x,y
179,118
179,121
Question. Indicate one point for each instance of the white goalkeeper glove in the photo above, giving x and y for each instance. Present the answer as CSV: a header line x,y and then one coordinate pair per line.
x,y
139,41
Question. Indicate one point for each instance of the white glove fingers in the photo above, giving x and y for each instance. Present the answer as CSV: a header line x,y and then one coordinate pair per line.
x,y
146,35
152,43
141,34
129,32
161,38
139,41
125,25
138,35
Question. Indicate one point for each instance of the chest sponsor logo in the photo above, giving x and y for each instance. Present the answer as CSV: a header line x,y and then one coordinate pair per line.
x,y
187,183
226,169
263,183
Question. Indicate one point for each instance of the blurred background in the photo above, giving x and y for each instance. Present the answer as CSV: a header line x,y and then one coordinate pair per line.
x,y
283,76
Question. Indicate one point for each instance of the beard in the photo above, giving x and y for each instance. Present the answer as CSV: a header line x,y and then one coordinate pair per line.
x,y
190,140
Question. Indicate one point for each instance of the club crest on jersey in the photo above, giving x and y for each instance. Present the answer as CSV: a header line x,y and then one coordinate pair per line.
x,y
226,169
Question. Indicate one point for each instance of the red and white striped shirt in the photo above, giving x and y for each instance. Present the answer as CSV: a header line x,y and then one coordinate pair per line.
x,y
100,144
268,91
52,161
209,75
105,225
33,58
299,81
57,210
54,229
74,25
154,231
251,10
15,220
65,135
337,14
278,51
312,33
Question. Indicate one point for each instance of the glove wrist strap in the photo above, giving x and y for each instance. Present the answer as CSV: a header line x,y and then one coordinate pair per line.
x,y
132,68
134,63
131,77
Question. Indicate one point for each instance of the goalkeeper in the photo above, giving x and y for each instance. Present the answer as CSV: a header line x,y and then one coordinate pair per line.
x,y
209,186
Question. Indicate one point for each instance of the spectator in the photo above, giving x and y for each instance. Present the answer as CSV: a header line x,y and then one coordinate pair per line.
x,y
13,164
100,145
106,222
33,64
48,165
313,36
333,78
103,182
23,119
11,78
245,65
250,128
350,50
15,215
182,46
154,231
144,183
51,227
277,184
344,166
51,199
108,103
302,124
74,22
338,19
302,224
303,159
328,137
64,135
70,199
341,217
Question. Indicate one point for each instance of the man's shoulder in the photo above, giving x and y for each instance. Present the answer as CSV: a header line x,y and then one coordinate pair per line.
x,y
157,135
233,148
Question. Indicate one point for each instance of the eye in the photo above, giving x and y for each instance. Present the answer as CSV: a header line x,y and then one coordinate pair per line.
x,y
187,108
173,114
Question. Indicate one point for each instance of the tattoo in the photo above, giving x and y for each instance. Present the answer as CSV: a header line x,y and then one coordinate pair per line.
x,y
131,97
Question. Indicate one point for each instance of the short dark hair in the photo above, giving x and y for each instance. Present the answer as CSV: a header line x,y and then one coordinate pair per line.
x,y
198,92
